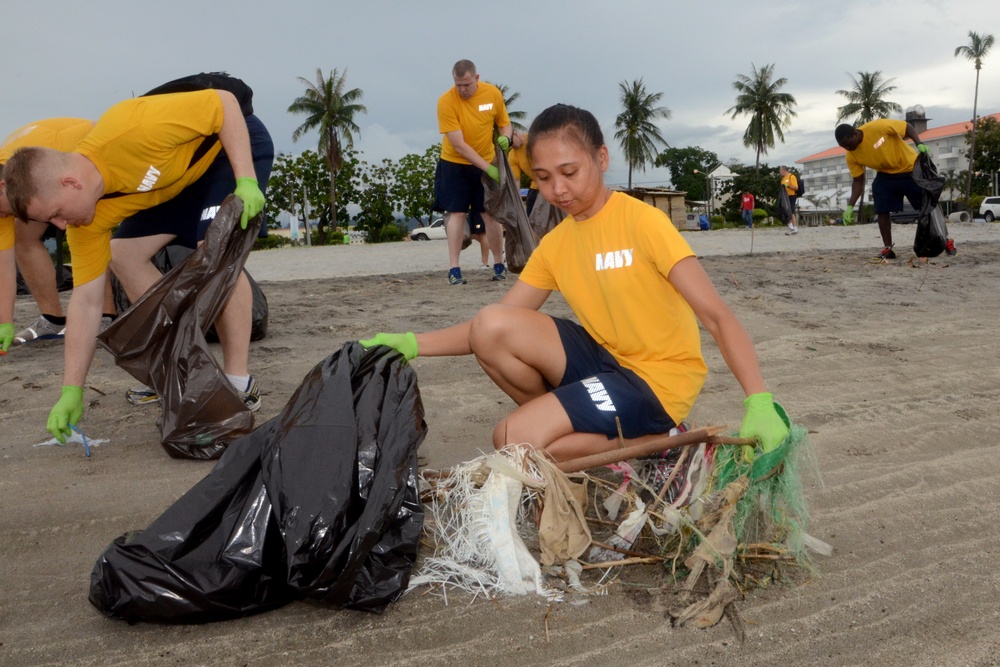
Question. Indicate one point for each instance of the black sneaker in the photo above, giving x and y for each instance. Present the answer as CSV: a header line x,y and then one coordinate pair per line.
x,y
949,247
886,253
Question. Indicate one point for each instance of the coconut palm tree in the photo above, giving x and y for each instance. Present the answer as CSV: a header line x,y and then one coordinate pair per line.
x,y
515,116
866,100
770,110
330,109
975,50
639,137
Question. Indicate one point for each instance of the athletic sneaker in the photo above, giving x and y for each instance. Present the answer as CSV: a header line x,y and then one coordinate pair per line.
x,y
42,329
251,397
141,395
949,247
455,277
484,267
499,272
790,232
886,253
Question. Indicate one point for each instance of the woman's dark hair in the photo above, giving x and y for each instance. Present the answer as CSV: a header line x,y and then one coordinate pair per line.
x,y
577,122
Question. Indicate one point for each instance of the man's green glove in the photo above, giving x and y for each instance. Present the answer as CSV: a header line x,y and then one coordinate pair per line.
x,y
849,215
922,148
6,336
405,344
493,173
253,199
504,143
67,410
763,422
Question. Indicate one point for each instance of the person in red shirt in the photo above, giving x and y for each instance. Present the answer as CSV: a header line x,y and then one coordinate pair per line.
x,y
748,206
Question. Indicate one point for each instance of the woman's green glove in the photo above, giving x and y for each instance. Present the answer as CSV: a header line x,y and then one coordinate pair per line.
x,y
763,422
6,336
253,199
405,344
848,215
67,410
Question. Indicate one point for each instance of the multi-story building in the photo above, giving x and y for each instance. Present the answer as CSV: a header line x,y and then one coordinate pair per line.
x,y
829,182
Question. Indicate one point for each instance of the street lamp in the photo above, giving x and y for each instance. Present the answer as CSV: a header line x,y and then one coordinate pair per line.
x,y
708,189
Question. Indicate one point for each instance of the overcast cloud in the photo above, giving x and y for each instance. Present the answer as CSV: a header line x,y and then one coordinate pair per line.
x,y
77,58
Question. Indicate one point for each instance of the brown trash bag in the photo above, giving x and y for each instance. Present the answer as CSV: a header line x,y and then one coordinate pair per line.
x,y
503,202
544,218
160,341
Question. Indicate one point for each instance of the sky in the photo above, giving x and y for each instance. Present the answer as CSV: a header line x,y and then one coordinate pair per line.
x,y
78,58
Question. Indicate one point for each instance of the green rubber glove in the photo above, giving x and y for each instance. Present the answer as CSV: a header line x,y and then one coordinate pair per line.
x,y
849,215
6,336
493,173
763,422
922,148
504,143
67,410
405,344
253,199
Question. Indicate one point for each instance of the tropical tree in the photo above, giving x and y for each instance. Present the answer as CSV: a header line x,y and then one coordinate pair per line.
x,y
682,163
331,109
975,50
515,116
866,101
414,177
637,133
761,179
987,153
759,96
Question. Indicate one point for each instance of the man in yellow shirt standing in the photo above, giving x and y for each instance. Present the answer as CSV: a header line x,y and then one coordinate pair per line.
x,y
467,114
160,166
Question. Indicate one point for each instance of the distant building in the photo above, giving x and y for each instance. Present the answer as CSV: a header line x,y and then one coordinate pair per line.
x,y
828,183
670,202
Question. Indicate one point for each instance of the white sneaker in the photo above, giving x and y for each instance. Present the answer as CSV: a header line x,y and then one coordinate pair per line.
x,y
42,329
486,267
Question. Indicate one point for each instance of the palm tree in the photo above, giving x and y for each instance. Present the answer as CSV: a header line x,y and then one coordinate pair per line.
x,y
866,100
638,135
330,109
975,50
515,116
769,110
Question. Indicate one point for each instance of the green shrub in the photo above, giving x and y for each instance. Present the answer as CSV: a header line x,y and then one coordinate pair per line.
x,y
977,201
759,214
271,241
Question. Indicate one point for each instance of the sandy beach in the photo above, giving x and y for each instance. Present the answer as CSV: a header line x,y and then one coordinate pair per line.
x,y
894,370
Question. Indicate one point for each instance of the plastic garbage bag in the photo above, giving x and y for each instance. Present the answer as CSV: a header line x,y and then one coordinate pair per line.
x,y
503,201
160,341
320,502
783,206
932,228
544,218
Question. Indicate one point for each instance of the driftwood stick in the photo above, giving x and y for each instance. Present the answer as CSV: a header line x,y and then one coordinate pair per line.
x,y
625,561
621,550
635,451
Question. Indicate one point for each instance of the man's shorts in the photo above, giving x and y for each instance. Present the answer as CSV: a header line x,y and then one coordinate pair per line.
x,y
476,223
888,191
188,215
458,187
596,388
791,202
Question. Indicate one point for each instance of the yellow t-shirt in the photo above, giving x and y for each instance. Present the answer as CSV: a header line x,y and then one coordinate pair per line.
x,y
59,133
475,117
883,148
147,149
791,184
612,270
519,162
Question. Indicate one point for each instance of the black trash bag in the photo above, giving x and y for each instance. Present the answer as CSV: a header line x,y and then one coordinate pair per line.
x,y
160,341
320,502
171,256
544,218
503,201
783,206
932,231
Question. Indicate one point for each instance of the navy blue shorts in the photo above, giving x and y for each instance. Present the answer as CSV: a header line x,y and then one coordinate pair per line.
x,y
188,215
888,191
458,187
596,388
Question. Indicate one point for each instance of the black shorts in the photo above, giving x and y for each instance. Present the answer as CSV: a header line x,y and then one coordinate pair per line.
x,y
458,187
888,191
596,388
188,215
